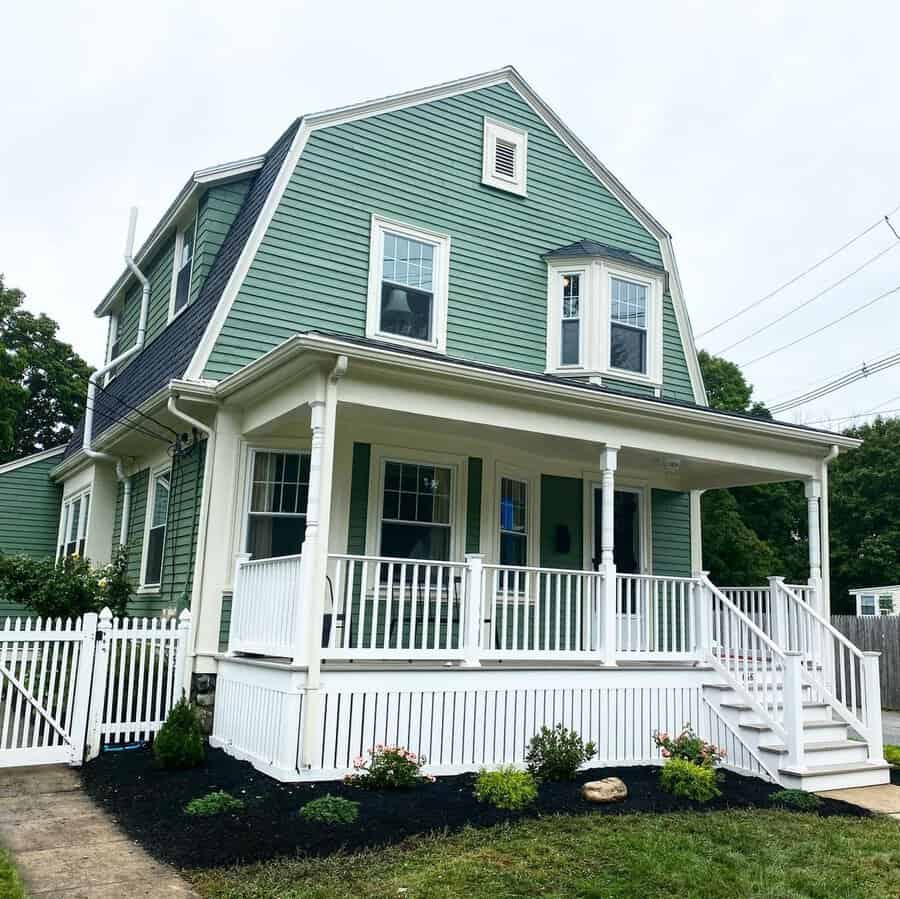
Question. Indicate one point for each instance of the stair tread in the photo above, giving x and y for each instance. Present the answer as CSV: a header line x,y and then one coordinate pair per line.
x,y
839,768
743,707
807,725
813,746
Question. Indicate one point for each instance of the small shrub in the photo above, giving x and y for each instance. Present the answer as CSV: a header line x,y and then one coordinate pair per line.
x,y
331,810
892,755
689,781
798,800
389,768
214,804
179,743
688,746
507,787
557,754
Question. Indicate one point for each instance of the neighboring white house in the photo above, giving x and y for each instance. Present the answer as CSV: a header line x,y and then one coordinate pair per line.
x,y
877,600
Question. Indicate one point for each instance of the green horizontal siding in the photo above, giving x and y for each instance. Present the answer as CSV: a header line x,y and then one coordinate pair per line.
x,y
218,210
181,534
29,515
422,166
671,526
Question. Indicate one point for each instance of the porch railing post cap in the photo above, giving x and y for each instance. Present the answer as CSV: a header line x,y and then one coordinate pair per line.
x,y
471,557
792,653
106,614
871,653
185,616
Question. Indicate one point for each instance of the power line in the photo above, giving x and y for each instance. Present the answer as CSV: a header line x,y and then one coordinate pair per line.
x,y
127,405
109,418
812,299
802,274
877,409
825,327
845,380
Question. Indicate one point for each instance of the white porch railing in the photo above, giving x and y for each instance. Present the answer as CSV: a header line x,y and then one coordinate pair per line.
x,y
540,612
265,606
655,616
754,602
384,608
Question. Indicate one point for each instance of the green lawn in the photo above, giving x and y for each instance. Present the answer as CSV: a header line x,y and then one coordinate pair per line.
x,y
10,885
728,854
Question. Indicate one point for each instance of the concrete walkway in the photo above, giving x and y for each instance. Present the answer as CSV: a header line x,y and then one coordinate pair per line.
x,y
65,846
883,799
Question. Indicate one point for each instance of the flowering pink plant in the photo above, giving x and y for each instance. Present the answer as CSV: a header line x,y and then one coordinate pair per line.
x,y
688,746
389,768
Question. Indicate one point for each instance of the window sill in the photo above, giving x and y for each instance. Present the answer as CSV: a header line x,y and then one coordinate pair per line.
x,y
432,345
145,589
612,373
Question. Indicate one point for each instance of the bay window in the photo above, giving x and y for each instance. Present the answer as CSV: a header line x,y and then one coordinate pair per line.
x,y
279,491
570,327
628,325
157,524
73,525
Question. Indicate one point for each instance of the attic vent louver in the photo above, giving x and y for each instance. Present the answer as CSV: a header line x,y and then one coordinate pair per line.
x,y
505,157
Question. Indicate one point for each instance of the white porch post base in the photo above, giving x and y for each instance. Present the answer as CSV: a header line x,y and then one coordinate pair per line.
x,y
872,710
793,710
473,614
608,613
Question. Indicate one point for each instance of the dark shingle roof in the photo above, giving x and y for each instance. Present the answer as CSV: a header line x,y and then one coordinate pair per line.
x,y
586,247
169,355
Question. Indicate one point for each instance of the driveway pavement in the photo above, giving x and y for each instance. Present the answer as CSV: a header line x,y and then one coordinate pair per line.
x,y
891,723
65,847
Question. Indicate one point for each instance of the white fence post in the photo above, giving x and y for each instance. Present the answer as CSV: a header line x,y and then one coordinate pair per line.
x,y
474,610
703,610
608,623
83,687
872,706
239,560
792,697
98,685
182,669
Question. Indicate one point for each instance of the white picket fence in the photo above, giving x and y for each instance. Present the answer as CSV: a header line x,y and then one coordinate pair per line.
x,y
69,687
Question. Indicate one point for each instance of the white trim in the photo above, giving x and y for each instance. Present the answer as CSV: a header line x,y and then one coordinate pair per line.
x,y
217,174
654,329
62,533
495,130
555,273
417,456
378,228
30,460
155,472
507,75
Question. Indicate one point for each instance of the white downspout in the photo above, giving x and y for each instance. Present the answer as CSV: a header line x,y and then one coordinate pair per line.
x,y
200,553
94,379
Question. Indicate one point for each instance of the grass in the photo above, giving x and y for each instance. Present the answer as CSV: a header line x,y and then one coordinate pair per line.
x,y
729,854
892,755
10,884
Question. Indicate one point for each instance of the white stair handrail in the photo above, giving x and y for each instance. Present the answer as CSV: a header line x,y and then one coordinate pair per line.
x,y
737,663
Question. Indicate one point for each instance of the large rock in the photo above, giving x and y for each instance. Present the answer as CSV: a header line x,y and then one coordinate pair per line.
x,y
610,789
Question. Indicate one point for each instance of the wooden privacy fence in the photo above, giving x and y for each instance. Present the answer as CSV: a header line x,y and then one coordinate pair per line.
x,y
877,634
69,687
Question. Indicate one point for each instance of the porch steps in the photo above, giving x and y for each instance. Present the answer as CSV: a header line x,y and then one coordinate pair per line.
x,y
831,760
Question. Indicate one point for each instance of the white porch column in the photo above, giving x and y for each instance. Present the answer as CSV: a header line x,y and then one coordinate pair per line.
x,y
314,562
608,464
813,497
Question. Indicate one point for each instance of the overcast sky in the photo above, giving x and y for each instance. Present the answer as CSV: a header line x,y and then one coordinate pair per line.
x,y
762,135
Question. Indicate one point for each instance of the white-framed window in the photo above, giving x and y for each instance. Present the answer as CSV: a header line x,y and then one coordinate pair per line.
x,y
416,510
514,509
886,604
73,526
604,320
277,498
408,278
182,268
505,157
155,526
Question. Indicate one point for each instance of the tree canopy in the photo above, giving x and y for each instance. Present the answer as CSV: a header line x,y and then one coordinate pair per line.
x,y
43,381
752,532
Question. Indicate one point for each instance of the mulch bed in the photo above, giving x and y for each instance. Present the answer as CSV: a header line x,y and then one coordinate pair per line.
x,y
148,804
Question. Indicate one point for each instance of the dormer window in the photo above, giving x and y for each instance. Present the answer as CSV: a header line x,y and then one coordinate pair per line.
x,y
407,285
504,157
184,260
604,314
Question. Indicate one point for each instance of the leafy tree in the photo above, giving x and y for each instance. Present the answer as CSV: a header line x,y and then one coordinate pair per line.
x,y
727,388
43,380
864,489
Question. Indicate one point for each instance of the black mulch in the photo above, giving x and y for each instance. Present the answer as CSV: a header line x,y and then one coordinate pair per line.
x,y
149,805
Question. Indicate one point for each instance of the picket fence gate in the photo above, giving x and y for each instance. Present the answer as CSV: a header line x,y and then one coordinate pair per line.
x,y
69,687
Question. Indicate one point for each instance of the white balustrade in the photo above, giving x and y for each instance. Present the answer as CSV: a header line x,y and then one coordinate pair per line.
x,y
754,602
656,616
540,612
265,606
382,608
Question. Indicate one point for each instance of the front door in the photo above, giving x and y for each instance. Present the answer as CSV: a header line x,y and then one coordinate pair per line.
x,y
626,529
